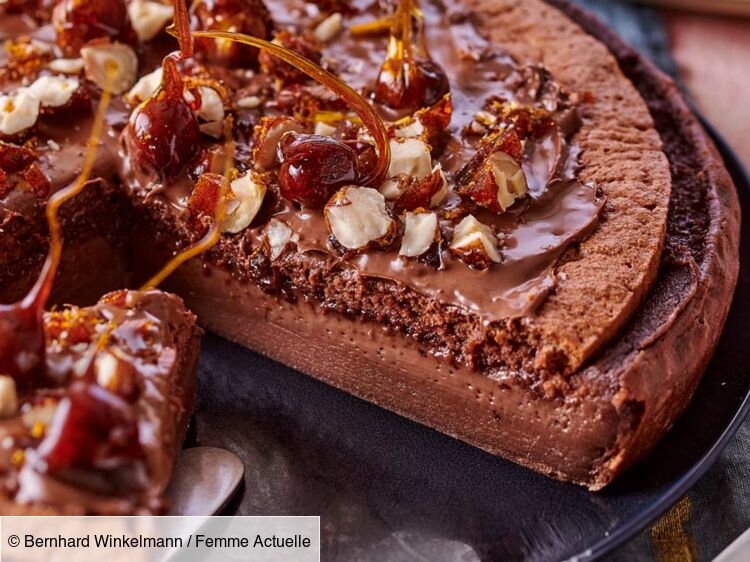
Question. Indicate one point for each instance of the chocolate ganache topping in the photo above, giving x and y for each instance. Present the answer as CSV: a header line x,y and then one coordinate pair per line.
x,y
495,125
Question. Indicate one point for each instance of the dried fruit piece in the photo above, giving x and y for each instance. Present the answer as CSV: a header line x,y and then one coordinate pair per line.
x,y
79,21
110,65
314,167
244,16
421,233
475,244
249,190
149,18
163,132
358,219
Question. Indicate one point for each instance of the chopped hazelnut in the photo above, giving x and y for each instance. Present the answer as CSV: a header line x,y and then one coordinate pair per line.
x,y
249,191
329,28
420,233
145,87
149,18
358,219
278,236
54,91
18,112
100,57
475,244
66,66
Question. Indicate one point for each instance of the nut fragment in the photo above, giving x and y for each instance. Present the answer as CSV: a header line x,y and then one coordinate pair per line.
x,y
495,183
145,87
410,157
212,107
99,58
54,91
149,18
249,191
475,244
420,233
18,112
329,28
66,66
358,219
114,374
249,102
8,397
278,235
509,179
266,137
429,191
324,129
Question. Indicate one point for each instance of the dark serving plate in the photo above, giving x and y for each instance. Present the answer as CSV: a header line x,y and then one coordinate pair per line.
x,y
389,489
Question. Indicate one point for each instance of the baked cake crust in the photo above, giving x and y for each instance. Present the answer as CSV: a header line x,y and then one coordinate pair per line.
x,y
576,387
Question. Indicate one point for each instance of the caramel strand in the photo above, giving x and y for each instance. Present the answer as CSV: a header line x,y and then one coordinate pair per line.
x,y
39,294
182,26
210,239
360,105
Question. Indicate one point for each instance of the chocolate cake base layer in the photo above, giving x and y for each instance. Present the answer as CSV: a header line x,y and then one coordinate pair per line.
x,y
587,428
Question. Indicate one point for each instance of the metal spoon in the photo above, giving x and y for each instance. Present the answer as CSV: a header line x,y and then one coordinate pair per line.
x,y
204,481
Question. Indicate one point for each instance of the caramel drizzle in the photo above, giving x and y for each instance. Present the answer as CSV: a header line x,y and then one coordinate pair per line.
x,y
360,105
37,297
401,43
182,24
211,237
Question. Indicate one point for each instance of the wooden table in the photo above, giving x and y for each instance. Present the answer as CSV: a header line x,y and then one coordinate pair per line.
x,y
713,55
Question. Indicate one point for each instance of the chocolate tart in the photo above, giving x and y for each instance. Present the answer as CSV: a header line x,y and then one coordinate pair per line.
x,y
98,433
555,336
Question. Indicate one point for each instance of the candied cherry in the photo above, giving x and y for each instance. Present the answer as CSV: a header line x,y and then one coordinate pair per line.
x,y
163,132
314,167
92,429
244,16
79,21
409,78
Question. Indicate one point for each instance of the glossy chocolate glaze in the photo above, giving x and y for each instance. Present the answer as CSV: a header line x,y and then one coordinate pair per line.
x,y
536,231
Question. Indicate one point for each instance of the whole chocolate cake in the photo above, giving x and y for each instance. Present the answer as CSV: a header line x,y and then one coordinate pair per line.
x,y
469,213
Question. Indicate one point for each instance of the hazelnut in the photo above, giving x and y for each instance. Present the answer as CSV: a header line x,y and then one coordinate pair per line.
x,y
358,219
149,18
420,233
54,91
278,236
496,183
324,129
428,192
249,191
66,66
409,157
18,112
249,102
8,397
100,57
145,87
475,243
329,28
266,136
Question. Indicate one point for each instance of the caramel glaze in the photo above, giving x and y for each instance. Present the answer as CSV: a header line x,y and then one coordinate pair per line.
x,y
534,232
